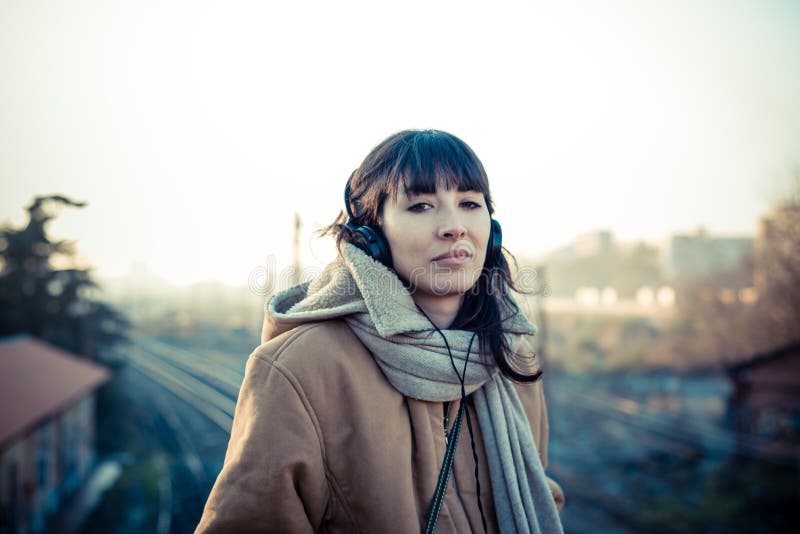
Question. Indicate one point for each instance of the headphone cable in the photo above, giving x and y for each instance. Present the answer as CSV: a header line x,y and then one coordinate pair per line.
x,y
461,376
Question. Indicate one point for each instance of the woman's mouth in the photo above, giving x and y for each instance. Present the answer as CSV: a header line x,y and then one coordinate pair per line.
x,y
453,258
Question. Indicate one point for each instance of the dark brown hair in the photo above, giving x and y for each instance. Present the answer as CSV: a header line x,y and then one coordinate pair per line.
x,y
420,161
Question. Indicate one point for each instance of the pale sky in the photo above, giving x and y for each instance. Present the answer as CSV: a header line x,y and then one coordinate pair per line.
x,y
196,129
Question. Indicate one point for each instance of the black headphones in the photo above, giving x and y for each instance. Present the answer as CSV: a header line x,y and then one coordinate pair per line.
x,y
374,244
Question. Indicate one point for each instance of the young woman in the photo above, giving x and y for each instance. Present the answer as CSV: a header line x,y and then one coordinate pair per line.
x,y
349,416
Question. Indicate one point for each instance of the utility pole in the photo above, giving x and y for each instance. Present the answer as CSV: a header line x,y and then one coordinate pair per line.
x,y
296,267
542,291
542,314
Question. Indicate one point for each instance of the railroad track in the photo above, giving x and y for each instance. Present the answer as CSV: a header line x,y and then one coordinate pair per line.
x,y
681,431
207,385
210,383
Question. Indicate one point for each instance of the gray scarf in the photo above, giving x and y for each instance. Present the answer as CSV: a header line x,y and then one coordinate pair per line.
x,y
381,313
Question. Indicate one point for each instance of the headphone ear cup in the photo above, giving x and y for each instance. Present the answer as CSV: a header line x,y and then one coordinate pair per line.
x,y
495,245
372,243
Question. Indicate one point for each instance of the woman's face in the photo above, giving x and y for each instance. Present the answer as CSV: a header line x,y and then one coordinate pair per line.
x,y
438,240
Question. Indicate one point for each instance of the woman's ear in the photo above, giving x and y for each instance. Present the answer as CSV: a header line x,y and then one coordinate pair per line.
x,y
379,218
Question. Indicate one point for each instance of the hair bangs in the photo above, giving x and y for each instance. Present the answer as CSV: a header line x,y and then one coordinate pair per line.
x,y
430,160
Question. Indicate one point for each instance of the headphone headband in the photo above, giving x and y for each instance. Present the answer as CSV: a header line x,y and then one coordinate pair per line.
x,y
350,215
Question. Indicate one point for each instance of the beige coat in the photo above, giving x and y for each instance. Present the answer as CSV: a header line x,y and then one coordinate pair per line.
x,y
321,442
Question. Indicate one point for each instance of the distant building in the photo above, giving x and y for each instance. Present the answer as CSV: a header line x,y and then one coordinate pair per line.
x,y
585,245
765,403
592,244
698,254
47,429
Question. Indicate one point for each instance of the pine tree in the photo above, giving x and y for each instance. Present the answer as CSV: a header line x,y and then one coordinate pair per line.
x,y
57,305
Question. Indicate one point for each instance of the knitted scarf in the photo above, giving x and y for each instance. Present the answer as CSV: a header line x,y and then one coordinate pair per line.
x,y
381,313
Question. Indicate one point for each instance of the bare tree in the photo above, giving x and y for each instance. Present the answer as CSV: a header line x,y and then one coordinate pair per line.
x,y
717,325
776,317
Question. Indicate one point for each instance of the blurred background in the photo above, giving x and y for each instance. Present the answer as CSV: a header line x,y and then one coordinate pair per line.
x,y
165,165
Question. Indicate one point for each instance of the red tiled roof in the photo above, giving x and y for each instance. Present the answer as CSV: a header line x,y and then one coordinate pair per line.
x,y
38,380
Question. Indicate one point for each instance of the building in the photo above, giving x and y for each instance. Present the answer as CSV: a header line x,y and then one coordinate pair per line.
x,y
765,402
591,244
47,404
699,255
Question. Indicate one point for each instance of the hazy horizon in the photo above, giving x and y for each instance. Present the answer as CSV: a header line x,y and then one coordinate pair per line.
x,y
196,130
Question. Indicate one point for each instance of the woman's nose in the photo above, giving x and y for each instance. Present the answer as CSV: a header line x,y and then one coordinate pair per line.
x,y
452,228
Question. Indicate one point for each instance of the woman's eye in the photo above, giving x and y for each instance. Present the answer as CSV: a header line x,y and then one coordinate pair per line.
x,y
418,207
469,204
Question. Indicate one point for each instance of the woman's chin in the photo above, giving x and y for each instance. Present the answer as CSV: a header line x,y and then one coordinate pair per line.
x,y
446,287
